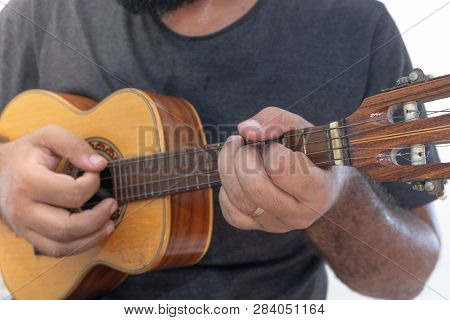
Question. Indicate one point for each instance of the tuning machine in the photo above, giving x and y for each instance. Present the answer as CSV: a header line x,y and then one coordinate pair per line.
x,y
434,187
418,152
416,76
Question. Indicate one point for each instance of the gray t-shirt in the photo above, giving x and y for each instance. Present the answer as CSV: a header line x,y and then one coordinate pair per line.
x,y
279,52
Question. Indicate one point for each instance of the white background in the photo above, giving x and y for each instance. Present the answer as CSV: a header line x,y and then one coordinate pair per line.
x,y
429,47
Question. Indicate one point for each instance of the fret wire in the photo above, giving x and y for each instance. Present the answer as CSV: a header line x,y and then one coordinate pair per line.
x,y
208,169
126,181
131,179
304,141
145,185
121,182
330,147
196,162
285,140
151,187
137,167
114,173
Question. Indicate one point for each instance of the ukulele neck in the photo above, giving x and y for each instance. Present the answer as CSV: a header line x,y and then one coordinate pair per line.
x,y
193,169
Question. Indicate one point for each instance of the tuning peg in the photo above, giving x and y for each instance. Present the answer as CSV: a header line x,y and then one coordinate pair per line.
x,y
402,82
416,76
436,188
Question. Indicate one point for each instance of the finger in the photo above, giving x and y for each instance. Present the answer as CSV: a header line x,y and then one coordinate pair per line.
x,y
62,190
57,249
68,146
258,187
294,173
271,123
266,222
62,226
234,216
228,176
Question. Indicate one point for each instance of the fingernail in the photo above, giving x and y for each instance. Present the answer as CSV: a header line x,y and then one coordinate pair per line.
x,y
252,124
233,138
110,228
113,208
95,159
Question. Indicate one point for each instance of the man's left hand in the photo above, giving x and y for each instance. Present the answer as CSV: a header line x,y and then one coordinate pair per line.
x,y
292,191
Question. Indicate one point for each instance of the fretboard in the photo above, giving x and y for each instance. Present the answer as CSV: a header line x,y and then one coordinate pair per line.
x,y
192,169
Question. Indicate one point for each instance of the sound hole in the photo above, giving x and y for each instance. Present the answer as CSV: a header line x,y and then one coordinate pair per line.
x,y
104,192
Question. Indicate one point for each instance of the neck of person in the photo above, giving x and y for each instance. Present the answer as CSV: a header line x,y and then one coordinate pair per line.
x,y
203,17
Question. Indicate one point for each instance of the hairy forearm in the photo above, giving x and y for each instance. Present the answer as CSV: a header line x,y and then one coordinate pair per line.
x,y
375,247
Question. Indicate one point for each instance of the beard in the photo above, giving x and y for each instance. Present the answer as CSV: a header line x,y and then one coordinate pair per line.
x,y
155,7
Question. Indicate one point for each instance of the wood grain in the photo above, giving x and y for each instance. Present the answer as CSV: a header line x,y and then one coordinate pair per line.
x,y
372,135
192,213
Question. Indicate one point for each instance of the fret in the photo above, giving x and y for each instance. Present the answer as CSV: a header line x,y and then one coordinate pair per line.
x,y
149,184
115,182
330,147
134,176
305,141
166,183
144,175
121,181
125,178
132,180
174,165
129,186
192,176
197,169
285,141
208,170
183,163
139,176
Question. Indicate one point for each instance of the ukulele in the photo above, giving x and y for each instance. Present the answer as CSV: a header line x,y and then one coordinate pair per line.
x,y
161,173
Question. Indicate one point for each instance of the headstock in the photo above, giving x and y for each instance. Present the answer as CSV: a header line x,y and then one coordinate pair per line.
x,y
390,137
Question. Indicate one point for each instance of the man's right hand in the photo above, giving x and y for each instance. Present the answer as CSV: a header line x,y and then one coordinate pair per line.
x,y
33,195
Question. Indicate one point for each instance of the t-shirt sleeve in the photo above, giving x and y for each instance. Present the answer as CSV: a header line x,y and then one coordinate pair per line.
x,y
389,62
18,70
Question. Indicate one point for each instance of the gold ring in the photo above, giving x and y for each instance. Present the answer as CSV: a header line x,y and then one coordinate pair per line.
x,y
258,212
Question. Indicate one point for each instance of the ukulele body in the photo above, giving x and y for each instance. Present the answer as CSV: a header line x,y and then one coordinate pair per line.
x,y
168,232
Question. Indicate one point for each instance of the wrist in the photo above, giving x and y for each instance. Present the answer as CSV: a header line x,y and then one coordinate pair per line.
x,y
340,191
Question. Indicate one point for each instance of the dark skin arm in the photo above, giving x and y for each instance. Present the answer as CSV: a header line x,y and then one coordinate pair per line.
x,y
373,246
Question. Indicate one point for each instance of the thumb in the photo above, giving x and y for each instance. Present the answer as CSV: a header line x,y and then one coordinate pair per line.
x,y
68,146
271,123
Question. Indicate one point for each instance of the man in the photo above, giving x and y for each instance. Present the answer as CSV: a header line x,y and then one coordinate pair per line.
x,y
229,58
